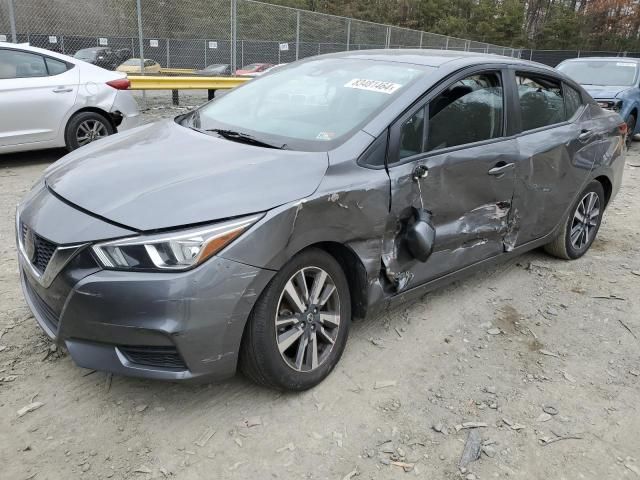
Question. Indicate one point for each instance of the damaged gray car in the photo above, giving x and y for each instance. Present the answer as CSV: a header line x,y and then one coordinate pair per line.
x,y
252,230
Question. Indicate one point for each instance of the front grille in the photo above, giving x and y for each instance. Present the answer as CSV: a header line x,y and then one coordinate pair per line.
x,y
44,311
162,357
44,250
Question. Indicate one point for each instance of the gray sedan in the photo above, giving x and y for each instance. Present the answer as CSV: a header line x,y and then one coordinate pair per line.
x,y
251,231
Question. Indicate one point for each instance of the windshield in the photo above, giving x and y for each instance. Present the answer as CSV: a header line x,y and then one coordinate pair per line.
x,y
134,61
86,54
310,104
599,72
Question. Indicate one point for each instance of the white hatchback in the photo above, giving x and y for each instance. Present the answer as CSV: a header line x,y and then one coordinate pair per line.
x,y
50,100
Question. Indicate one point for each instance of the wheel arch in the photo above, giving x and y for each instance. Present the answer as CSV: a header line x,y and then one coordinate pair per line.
x,y
113,120
353,268
607,186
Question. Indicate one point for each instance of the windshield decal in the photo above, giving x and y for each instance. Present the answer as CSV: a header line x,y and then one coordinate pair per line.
x,y
373,85
625,64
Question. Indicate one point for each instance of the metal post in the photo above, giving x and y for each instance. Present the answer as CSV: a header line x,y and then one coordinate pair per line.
x,y
467,44
206,45
446,47
241,53
531,54
234,35
578,53
168,65
348,34
421,35
12,21
141,45
297,34
388,41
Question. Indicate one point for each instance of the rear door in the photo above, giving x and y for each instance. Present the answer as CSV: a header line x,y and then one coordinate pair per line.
x,y
36,93
558,146
452,155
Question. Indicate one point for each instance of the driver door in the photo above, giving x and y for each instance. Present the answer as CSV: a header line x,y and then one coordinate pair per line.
x,y
452,156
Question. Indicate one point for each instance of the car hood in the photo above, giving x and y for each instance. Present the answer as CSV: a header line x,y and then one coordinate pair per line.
x,y
163,175
604,91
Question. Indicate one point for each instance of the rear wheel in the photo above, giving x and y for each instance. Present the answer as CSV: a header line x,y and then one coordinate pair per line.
x,y
86,127
298,328
581,225
631,126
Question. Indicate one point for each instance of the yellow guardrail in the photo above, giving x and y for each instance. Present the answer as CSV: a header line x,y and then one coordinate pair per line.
x,y
180,71
144,82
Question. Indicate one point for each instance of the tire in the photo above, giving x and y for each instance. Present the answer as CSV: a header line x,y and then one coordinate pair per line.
x,y
260,354
86,124
562,246
631,126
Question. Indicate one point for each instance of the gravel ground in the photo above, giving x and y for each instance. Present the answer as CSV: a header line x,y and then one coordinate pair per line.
x,y
538,359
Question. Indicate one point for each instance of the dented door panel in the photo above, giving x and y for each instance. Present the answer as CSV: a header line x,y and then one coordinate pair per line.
x,y
553,167
471,210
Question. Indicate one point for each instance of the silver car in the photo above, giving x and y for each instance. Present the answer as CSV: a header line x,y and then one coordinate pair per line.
x,y
51,100
252,230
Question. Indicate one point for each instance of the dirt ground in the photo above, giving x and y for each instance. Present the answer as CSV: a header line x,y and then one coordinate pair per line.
x,y
536,350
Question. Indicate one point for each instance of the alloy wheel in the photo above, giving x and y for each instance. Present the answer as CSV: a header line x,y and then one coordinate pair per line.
x,y
307,319
89,131
585,221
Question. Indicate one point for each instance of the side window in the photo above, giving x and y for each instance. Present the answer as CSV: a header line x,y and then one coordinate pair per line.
x,y
572,101
412,135
55,67
18,64
149,63
469,111
541,102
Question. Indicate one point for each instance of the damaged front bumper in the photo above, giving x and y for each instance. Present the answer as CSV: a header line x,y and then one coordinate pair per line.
x,y
162,325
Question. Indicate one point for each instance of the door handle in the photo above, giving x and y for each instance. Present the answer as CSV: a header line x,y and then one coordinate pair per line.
x,y
500,168
62,90
585,135
420,172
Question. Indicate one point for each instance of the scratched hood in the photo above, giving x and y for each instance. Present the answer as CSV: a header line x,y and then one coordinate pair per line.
x,y
604,91
164,175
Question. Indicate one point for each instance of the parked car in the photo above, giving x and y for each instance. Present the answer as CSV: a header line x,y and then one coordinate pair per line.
x,y
252,69
51,100
215,70
133,66
104,57
253,229
265,71
613,81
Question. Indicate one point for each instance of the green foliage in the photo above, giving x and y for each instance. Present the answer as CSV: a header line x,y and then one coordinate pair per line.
x,y
549,24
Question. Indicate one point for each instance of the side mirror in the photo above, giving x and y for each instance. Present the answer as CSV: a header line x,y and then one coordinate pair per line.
x,y
420,235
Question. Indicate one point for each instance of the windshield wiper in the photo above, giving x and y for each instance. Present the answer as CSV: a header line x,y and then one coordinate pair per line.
x,y
244,138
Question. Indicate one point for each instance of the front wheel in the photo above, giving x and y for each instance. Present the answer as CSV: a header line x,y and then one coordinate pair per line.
x,y
581,225
298,328
86,127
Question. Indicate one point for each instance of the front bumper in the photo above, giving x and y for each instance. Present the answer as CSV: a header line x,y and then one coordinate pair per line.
x,y
165,325
152,325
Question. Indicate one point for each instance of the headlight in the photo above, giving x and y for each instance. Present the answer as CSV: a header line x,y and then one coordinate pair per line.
x,y
615,105
171,251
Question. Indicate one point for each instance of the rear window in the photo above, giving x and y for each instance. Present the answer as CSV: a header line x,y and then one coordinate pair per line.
x,y
55,67
541,101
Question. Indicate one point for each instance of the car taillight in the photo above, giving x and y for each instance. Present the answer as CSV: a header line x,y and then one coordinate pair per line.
x,y
120,84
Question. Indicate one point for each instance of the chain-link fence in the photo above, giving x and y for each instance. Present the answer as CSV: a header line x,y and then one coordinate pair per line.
x,y
197,33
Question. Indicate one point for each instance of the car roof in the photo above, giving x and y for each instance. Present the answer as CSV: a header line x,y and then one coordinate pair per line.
x,y
604,59
434,58
41,51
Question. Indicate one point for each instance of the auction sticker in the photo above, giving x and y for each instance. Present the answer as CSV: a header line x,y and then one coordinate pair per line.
x,y
373,85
